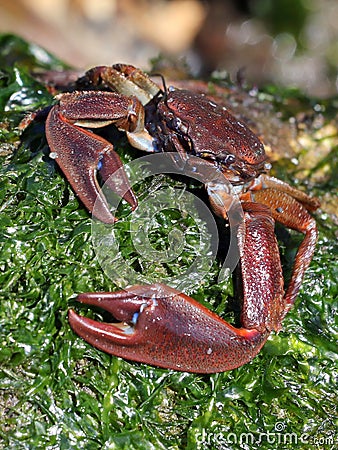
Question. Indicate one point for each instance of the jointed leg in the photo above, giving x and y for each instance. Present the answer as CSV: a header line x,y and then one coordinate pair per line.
x,y
291,213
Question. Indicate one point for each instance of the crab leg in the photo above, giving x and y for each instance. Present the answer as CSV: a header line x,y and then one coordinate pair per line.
x,y
123,78
70,143
290,207
163,327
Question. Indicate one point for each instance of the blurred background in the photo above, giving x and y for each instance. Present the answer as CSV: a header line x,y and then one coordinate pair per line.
x,y
286,42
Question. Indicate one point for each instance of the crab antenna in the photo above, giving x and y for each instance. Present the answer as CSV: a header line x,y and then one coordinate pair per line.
x,y
165,89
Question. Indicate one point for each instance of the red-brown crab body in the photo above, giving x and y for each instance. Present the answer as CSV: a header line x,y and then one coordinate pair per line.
x,y
159,325
196,125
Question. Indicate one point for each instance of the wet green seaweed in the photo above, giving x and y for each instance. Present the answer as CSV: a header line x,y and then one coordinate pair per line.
x,y
57,392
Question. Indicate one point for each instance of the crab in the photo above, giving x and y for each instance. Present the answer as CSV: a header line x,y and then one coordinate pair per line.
x,y
157,324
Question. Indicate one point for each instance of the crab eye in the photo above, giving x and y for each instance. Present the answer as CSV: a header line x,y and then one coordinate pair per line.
x,y
229,159
226,159
176,123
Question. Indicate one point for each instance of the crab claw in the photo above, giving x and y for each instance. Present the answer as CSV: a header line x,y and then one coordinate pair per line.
x,y
82,155
163,327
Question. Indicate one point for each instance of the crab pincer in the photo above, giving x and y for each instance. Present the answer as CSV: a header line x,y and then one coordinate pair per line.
x,y
163,327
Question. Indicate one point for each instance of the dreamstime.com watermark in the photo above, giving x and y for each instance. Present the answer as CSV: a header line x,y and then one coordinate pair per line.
x,y
278,437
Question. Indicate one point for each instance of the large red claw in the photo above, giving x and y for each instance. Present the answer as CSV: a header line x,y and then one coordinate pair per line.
x,y
163,327
81,155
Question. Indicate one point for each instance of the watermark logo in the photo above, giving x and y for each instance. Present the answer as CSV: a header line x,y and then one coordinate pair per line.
x,y
191,244
277,437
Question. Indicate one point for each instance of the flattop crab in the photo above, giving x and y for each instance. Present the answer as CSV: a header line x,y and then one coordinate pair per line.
x,y
159,325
